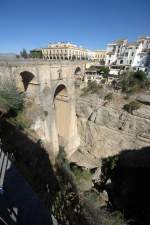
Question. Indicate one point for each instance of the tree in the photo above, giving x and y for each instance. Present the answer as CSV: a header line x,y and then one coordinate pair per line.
x,y
36,54
132,82
24,53
104,69
140,75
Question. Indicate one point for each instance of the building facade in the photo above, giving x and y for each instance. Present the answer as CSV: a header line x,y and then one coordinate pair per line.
x,y
123,54
65,51
142,55
99,56
69,51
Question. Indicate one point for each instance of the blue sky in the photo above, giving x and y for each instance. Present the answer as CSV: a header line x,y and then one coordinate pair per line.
x,y
91,23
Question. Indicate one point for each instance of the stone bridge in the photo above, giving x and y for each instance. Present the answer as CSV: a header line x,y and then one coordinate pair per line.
x,y
49,88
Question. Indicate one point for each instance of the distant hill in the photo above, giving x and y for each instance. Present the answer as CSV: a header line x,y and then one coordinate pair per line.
x,y
7,55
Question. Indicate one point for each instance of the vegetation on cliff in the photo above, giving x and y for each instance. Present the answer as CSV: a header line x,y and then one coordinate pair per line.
x,y
91,88
132,82
11,100
134,105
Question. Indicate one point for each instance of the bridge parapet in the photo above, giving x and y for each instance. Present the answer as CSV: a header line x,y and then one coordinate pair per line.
x,y
39,62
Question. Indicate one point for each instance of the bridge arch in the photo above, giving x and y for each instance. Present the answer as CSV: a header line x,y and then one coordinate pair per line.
x,y
26,77
62,113
78,71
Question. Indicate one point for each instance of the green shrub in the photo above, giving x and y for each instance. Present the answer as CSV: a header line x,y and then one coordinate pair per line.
x,y
132,82
104,69
140,76
81,173
10,98
91,195
45,113
92,88
116,218
20,121
134,105
109,96
103,81
108,167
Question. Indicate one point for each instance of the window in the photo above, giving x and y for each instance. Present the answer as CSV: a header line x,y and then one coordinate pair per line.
x,y
126,54
132,53
121,61
130,61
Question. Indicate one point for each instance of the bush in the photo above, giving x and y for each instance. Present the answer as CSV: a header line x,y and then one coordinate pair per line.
x,y
91,196
20,121
45,113
109,96
103,81
134,105
140,76
10,98
108,167
104,69
92,88
132,82
80,173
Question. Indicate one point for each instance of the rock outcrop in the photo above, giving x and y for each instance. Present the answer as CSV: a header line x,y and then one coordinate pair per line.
x,y
145,99
106,129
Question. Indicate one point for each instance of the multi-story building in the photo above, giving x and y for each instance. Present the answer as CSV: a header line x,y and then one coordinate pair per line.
x,y
115,52
99,56
65,51
121,54
142,55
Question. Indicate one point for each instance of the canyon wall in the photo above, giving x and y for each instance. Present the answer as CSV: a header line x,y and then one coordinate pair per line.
x,y
106,129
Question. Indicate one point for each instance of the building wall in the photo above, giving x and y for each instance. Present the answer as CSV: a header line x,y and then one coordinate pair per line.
x,y
122,53
65,51
100,56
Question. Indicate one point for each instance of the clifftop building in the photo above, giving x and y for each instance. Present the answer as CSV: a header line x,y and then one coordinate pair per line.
x,y
65,51
99,56
123,54
69,51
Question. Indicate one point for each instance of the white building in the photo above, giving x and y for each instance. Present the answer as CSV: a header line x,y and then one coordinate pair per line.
x,y
115,52
142,55
123,54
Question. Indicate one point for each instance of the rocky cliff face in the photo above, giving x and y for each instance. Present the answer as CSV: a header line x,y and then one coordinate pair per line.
x,y
106,129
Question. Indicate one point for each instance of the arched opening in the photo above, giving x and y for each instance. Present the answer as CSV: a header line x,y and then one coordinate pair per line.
x,y
78,71
27,77
61,105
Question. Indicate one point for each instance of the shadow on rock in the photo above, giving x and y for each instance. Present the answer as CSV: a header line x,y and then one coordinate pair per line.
x,y
126,178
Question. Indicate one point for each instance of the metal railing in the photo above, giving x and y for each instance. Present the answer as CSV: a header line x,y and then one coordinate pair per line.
x,y
7,217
